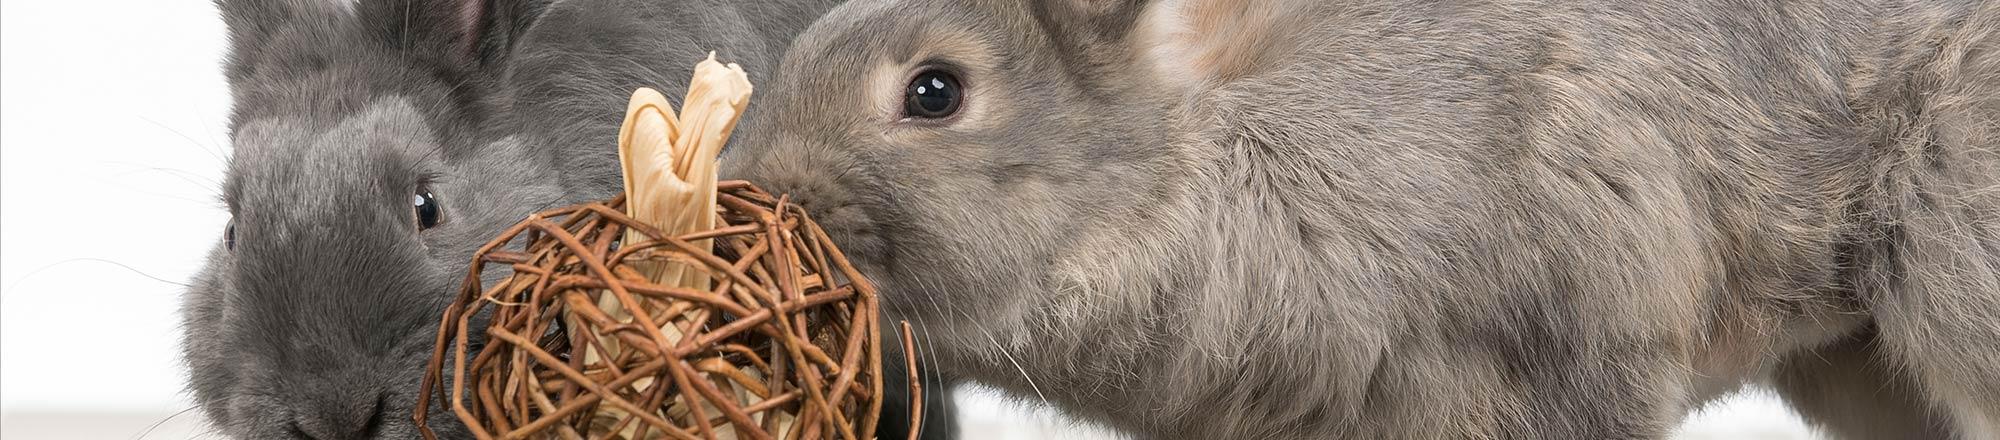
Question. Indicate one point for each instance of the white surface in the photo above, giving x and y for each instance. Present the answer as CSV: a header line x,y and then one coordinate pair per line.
x,y
111,143
111,140
984,416
1750,415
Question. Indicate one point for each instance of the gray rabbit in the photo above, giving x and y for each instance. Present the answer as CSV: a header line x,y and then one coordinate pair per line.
x,y
1371,219
376,144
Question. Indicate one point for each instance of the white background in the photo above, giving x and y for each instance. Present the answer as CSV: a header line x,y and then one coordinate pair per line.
x,y
112,143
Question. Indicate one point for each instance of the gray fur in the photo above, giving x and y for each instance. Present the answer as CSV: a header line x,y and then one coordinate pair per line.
x,y
319,320
1397,219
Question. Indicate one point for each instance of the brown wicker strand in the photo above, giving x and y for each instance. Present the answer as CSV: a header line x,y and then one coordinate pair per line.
x,y
786,345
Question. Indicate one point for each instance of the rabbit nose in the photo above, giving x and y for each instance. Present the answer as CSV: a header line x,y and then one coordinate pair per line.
x,y
348,417
785,171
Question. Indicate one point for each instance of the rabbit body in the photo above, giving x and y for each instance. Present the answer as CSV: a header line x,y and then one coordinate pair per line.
x,y
1208,219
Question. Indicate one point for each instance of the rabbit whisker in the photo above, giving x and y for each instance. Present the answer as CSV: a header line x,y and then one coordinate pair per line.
x,y
162,422
30,275
205,148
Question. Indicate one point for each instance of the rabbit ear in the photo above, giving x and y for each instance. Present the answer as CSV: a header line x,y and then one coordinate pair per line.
x,y
1197,41
463,33
253,22
1184,42
460,34
1093,29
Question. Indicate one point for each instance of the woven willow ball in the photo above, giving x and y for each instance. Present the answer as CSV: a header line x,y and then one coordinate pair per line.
x,y
785,346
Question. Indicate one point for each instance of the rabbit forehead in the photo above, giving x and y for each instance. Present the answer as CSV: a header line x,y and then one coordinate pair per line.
x,y
310,167
900,31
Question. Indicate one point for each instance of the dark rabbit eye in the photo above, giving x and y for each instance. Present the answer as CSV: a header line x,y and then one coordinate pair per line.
x,y
934,94
427,210
229,236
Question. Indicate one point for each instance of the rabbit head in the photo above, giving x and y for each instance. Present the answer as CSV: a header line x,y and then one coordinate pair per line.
x,y
357,160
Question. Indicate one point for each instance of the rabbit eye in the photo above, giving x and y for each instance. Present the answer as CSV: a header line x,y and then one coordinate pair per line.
x,y
427,210
229,236
934,94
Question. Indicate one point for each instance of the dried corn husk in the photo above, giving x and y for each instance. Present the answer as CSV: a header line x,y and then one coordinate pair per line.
x,y
670,176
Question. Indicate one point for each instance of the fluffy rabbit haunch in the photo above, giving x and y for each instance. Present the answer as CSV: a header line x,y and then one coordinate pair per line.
x,y
1202,219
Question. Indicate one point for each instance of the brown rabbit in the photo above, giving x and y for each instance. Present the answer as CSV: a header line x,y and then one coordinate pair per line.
x,y
1536,219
